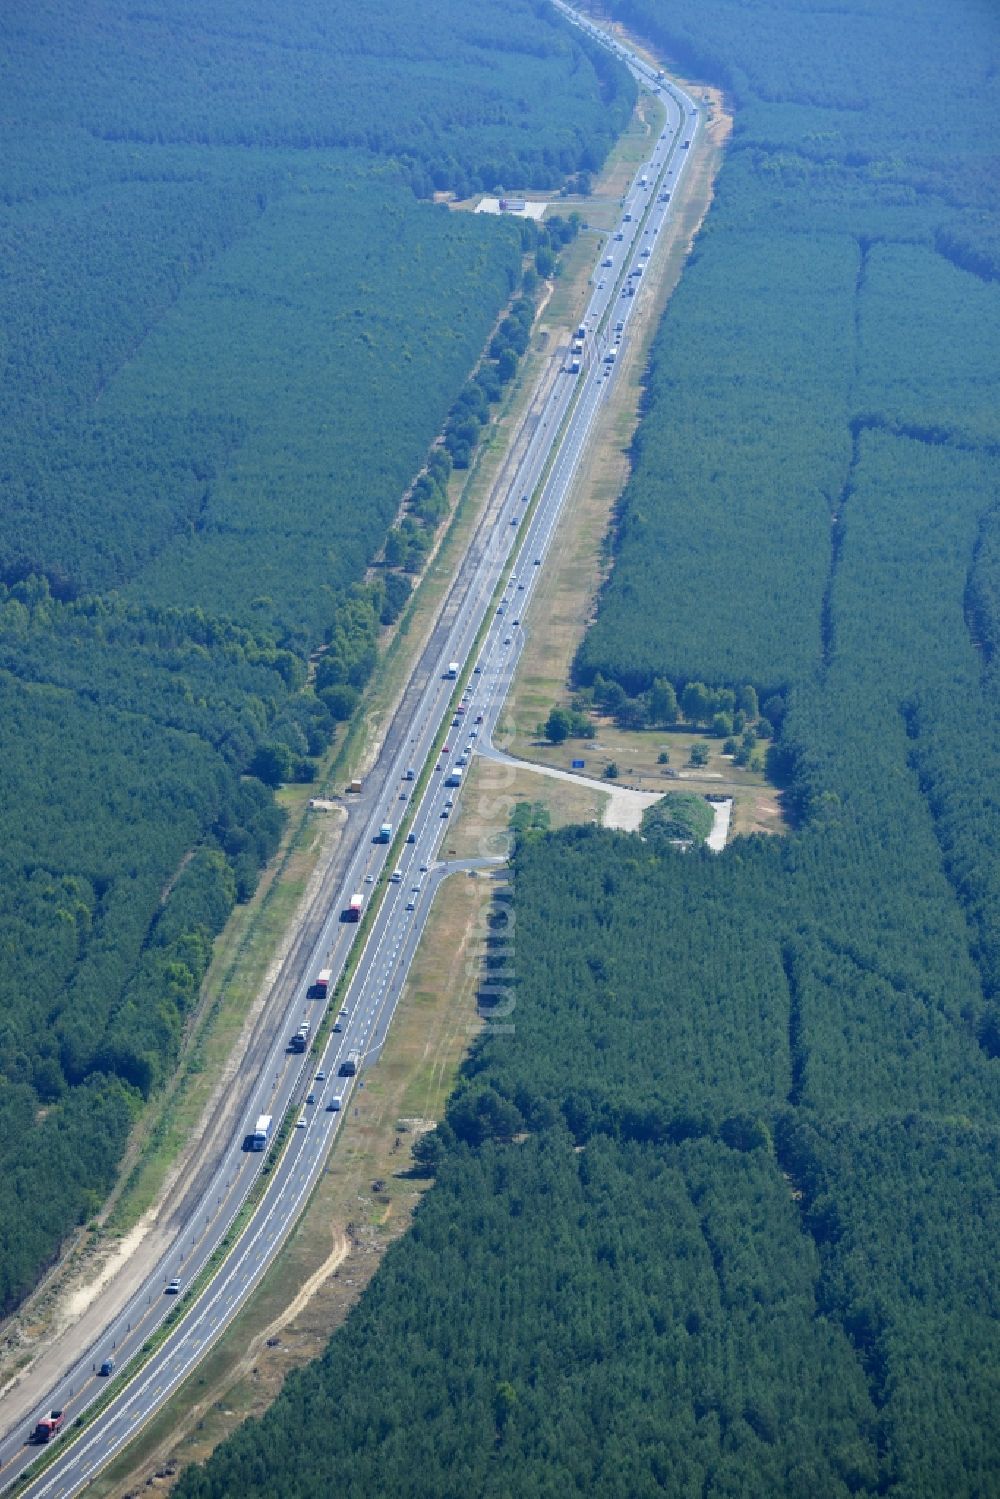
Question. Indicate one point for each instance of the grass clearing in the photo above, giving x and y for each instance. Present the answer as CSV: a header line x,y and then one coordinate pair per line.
x,y
756,803
480,828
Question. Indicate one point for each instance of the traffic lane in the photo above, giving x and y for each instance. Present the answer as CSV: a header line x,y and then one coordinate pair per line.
x,y
506,674
293,1163
150,1392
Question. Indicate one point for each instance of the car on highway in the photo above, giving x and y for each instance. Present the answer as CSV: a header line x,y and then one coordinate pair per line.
x,y
477,669
423,869
410,906
538,561
411,837
507,640
516,621
172,1287
444,811
446,750
369,879
321,1076
300,1122
108,1367
479,718
310,1097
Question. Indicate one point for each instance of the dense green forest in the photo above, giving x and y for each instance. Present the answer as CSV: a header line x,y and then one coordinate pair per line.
x,y
718,1197
231,334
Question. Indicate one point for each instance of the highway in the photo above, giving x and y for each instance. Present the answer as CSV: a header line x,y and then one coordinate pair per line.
x,y
447,721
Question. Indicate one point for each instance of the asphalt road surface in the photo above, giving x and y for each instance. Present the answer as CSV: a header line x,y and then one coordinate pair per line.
x,y
431,728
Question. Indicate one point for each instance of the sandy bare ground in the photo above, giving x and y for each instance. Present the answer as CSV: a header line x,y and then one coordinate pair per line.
x,y
720,828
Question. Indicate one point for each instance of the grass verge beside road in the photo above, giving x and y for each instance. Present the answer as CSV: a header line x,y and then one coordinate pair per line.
x,y
578,559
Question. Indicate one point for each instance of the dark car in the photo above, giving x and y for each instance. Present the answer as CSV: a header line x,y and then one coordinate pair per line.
x,y
108,1367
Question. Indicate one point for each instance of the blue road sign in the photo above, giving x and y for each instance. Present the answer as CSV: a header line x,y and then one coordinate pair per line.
x,y
578,764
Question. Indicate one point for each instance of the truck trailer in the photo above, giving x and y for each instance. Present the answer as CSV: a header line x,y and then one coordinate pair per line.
x,y
261,1133
48,1427
384,833
321,987
353,912
350,1064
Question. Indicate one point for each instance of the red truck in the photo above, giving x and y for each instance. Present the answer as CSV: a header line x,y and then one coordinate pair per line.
x,y
48,1427
322,985
353,912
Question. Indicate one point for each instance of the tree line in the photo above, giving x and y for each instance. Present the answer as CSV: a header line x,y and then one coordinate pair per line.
x,y
716,1195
